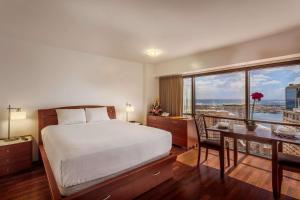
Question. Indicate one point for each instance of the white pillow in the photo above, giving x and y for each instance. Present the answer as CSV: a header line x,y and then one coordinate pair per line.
x,y
71,116
96,114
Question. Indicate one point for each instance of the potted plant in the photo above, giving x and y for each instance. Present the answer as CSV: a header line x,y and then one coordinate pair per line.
x,y
256,97
155,108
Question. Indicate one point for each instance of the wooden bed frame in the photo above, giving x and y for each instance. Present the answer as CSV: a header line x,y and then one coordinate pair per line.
x,y
125,186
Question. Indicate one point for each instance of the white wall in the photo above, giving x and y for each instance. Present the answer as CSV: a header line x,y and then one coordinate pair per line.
x,y
150,88
34,76
281,44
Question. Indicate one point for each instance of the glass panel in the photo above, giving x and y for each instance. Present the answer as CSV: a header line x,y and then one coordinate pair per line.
x,y
187,95
281,89
221,95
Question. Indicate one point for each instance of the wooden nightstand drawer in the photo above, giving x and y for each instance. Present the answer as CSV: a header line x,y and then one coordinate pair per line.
x,y
15,150
13,160
13,168
15,155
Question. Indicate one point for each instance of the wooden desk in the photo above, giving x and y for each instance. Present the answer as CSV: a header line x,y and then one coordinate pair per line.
x,y
262,135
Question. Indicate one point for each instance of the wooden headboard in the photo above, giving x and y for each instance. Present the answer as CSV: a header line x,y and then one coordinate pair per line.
x,y
48,117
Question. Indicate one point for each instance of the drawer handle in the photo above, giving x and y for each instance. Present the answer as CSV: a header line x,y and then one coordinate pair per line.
x,y
7,160
107,197
156,173
7,150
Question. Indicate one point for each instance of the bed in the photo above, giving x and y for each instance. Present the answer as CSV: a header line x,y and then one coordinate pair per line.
x,y
121,161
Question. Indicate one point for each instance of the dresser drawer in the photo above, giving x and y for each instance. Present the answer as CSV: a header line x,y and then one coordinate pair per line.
x,y
159,122
153,125
154,119
178,123
146,180
134,184
179,141
13,168
179,131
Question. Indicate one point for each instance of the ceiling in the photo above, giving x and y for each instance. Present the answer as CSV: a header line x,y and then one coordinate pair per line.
x,y
126,28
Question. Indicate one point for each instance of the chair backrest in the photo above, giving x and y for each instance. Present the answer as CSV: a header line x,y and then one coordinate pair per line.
x,y
201,126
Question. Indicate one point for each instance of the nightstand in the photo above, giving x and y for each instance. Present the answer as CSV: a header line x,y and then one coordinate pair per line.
x,y
15,155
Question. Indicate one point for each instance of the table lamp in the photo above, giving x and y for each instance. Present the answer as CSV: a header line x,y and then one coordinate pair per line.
x,y
129,108
14,114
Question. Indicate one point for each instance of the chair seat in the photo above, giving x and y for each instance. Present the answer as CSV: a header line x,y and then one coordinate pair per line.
x,y
211,143
288,160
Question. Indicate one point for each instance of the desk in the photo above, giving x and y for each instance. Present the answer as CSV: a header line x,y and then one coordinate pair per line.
x,y
262,135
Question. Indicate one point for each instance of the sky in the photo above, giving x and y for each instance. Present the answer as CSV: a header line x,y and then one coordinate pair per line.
x,y
271,82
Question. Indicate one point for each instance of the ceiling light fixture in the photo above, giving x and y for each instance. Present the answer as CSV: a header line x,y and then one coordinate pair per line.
x,y
153,52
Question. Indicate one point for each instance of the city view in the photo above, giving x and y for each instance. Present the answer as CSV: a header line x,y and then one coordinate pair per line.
x,y
224,95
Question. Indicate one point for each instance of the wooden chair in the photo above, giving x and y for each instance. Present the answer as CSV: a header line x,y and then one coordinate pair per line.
x,y
286,162
207,142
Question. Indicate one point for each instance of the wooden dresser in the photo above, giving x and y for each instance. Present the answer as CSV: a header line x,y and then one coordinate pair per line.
x,y
15,155
183,129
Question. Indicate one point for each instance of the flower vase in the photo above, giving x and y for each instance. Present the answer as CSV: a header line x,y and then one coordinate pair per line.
x,y
251,126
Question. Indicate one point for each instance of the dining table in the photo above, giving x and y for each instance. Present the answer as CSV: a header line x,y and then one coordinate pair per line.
x,y
261,134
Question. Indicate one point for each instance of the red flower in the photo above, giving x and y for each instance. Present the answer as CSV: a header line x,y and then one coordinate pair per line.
x,y
257,96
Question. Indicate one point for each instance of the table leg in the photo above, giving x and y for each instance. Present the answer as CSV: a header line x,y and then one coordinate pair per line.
x,y
222,155
274,169
235,151
280,147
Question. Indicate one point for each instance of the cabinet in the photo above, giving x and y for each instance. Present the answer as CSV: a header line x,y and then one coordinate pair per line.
x,y
15,155
184,133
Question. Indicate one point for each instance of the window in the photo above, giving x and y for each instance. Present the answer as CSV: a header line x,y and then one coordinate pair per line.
x,y
187,95
222,94
280,87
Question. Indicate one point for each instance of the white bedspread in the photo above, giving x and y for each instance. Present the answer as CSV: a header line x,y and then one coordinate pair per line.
x,y
84,152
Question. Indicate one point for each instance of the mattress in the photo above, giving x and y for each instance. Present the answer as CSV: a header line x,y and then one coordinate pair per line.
x,y
81,155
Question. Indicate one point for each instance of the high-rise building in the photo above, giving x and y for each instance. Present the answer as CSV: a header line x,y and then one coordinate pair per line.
x,y
292,96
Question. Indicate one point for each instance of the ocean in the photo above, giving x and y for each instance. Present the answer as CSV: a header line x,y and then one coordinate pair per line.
x,y
278,117
275,117
237,101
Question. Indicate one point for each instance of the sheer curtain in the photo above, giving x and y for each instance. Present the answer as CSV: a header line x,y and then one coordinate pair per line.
x,y
170,94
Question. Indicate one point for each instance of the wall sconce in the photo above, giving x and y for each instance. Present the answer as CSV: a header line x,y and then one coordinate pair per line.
x,y
129,108
14,114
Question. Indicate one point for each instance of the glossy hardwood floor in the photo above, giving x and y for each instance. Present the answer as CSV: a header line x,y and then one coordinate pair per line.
x,y
251,179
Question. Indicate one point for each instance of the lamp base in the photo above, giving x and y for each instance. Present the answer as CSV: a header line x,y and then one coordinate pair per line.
x,y
11,139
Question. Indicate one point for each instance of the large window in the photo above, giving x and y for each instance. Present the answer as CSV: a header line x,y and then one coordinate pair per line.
x,y
222,94
227,94
280,87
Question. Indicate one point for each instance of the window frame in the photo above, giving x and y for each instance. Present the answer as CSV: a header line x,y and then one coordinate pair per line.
x,y
193,99
246,70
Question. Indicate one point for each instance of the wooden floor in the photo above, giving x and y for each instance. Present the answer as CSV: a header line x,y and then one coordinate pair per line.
x,y
251,179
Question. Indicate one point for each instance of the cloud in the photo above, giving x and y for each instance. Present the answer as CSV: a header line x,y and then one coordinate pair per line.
x,y
295,68
291,68
261,79
296,81
270,82
225,86
258,79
